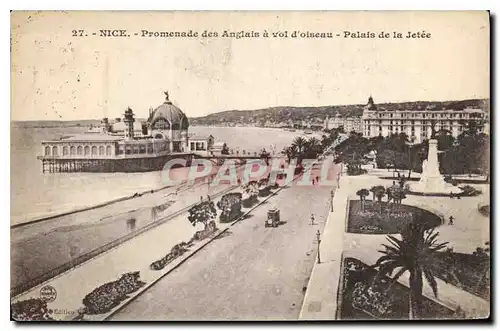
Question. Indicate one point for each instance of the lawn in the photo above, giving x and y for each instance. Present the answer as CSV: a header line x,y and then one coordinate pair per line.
x,y
384,218
466,271
364,299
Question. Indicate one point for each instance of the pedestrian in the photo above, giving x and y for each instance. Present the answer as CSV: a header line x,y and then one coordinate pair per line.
x,y
317,179
312,219
451,195
451,220
313,181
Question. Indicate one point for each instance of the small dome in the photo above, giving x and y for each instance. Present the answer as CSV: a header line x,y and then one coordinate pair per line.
x,y
171,114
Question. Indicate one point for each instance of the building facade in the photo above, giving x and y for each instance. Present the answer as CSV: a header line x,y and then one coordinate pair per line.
x,y
418,124
125,147
348,123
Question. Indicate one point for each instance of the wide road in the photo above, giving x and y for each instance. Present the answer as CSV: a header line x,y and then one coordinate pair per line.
x,y
251,272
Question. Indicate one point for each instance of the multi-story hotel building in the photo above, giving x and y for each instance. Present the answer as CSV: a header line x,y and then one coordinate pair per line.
x,y
417,124
348,123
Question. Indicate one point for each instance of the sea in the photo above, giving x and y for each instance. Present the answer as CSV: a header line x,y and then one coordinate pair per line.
x,y
35,194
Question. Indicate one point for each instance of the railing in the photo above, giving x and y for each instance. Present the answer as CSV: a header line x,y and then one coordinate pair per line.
x,y
89,255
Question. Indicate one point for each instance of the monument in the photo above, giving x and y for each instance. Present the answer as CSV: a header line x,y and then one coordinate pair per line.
x,y
431,180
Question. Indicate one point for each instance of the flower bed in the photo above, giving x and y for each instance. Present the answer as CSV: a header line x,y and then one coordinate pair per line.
x,y
33,309
230,206
175,252
469,191
363,297
485,210
182,247
384,218
107,296
250,194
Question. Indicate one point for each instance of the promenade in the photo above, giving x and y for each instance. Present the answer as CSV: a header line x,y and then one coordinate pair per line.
x,y
242,252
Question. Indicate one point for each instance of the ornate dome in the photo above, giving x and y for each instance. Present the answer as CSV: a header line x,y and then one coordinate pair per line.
x,y
169,116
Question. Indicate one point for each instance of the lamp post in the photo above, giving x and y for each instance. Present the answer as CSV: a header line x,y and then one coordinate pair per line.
x,y
318,234
332,194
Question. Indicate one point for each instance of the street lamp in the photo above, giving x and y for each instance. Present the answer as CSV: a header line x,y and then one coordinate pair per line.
x,y
318,234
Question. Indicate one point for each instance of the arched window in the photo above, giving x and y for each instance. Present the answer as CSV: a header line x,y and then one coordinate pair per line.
x,y
47,150
65,150
86,150
101,150
54,150
79,150
108,150
72,150
94,150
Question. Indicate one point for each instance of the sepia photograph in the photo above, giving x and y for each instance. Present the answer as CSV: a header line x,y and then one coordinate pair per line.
x,y
250,166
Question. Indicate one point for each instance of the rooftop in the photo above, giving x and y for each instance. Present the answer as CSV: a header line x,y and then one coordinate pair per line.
x,y
88,137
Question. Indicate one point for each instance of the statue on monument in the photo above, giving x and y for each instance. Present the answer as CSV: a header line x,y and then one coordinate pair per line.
x,y
166,96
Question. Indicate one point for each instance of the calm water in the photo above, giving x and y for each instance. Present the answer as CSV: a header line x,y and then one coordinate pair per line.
x,y
35,195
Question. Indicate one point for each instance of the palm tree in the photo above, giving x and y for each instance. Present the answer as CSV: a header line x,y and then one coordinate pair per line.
x,y
398,194
300,144
290,152
372,189
363,193
414,253
313,146
379,192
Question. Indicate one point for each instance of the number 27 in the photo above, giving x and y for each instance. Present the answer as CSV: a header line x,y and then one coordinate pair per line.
x,y
77,33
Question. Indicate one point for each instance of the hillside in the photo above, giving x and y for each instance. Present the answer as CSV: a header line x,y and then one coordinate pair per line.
x,y
277,115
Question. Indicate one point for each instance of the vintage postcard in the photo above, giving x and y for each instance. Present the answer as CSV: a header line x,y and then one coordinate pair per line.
x,y
249,166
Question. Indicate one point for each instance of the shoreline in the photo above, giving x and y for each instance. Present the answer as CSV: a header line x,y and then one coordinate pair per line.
x,y
86,208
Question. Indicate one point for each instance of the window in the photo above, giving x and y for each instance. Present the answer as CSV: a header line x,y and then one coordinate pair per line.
x,y
86,150
47,150
94,150
192,146
128,150
79,150
108,150
72,150
150,148
142,149
54,150
101,150
65,150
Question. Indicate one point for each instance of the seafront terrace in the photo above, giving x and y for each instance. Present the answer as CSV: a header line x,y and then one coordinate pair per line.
x,y
469,231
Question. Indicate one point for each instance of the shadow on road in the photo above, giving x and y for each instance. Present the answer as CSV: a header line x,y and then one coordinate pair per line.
x,y
247,216
223,235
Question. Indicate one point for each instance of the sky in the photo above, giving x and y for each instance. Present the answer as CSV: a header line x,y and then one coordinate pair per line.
x,y
57,76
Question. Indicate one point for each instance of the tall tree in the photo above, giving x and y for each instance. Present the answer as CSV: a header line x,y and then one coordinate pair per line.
x,y
415,253
204,213
363,193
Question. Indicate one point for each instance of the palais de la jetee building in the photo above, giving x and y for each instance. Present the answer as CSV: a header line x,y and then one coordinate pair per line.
x,y
128,145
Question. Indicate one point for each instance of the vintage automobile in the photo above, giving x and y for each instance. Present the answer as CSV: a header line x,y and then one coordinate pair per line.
x,y
273,218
